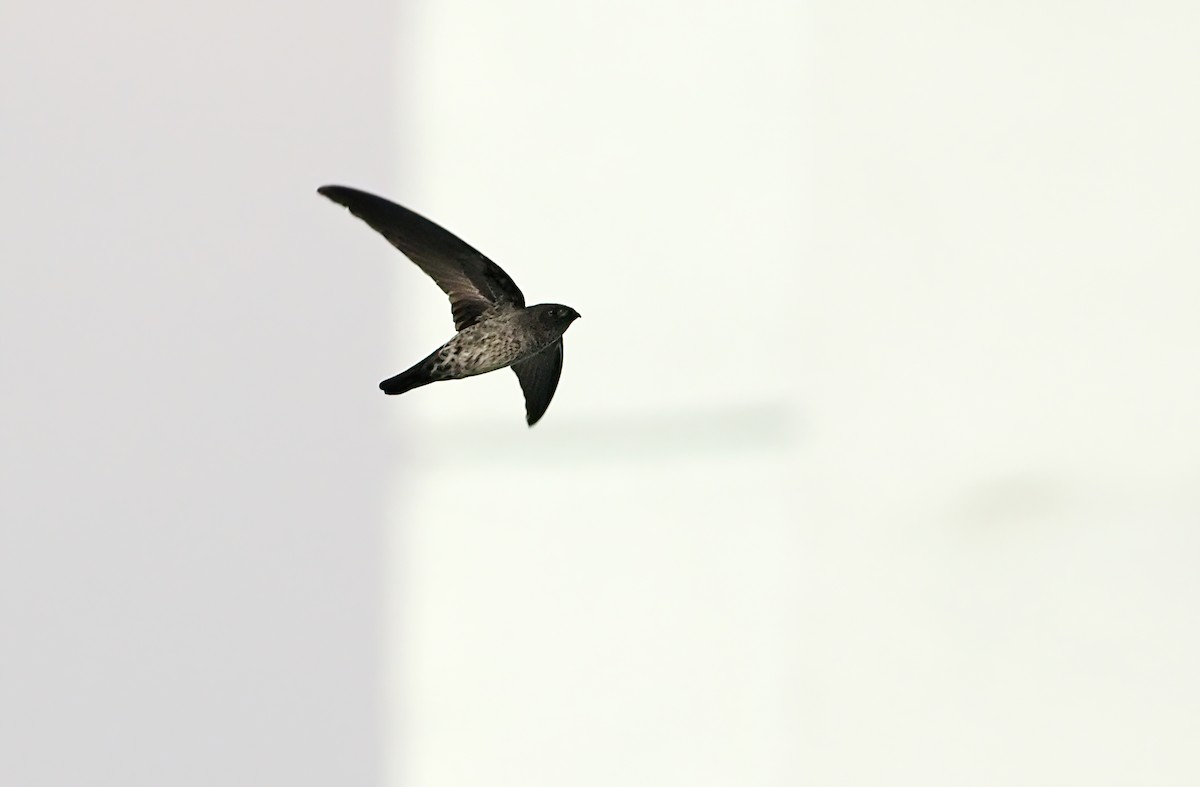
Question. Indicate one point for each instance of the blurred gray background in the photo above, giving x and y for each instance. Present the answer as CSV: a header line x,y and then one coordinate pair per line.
x,y
873,462
193,459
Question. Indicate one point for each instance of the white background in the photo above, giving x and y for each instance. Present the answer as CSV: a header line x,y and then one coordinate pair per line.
x,y
873,461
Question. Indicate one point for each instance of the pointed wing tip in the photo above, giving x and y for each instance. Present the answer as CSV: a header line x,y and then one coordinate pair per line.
x,y
332,192
534,413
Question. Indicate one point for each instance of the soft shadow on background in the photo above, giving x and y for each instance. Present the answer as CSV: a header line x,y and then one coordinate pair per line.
x,y
873,461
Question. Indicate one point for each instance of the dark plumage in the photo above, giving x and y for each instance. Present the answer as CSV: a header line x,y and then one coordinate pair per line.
x,y
495,328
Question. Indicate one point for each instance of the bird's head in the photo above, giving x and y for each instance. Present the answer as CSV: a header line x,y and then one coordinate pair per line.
x,y
557,315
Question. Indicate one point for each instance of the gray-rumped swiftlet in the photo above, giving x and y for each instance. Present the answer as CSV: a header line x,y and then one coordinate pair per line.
x,y
495,327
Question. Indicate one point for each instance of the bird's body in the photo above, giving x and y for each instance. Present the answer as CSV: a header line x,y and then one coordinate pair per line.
x,y
500,338
495,328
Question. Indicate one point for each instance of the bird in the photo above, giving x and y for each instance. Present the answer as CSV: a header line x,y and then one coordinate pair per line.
x,y
494,327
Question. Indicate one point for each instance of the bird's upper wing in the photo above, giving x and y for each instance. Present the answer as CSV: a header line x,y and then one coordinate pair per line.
x,y
539,377
473,282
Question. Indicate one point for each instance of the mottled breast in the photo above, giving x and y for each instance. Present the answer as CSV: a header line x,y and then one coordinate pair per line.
x,y
492,343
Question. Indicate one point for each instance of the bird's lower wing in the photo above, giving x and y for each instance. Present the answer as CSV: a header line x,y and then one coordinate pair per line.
x,y
538,375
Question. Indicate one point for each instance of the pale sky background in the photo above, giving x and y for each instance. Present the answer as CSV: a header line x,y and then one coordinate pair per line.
x,y
873,462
